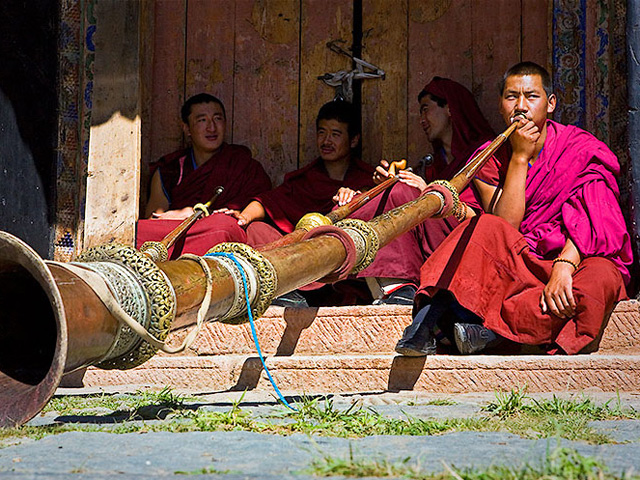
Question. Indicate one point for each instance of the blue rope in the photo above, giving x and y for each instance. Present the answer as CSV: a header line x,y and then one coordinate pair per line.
x,y
232,257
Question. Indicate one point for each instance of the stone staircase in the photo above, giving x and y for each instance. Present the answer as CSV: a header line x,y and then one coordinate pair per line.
x,y
350,349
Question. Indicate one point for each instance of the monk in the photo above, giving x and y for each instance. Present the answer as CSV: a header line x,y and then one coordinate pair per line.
x,y
548,265
190,176
455,126
310,189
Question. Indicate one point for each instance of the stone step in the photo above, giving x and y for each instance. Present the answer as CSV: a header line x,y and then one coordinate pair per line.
x,y
350,349
317,374
359,330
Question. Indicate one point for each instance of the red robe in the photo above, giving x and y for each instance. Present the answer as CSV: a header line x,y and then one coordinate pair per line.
x,y
498,272
309,189
403,257
185,185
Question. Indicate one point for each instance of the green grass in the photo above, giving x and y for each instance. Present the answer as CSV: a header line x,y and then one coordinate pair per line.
x,y
204,471
92,404
556,417
330,466
517,401
438,402
512,411
560,464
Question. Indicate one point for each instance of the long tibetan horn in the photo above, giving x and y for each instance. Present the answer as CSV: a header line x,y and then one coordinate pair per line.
x,y
54,318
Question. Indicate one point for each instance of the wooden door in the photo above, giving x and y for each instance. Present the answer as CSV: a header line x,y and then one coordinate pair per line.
x,y
263,59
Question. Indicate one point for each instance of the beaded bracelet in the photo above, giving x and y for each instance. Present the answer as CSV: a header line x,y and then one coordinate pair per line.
x,y
565,260
460,211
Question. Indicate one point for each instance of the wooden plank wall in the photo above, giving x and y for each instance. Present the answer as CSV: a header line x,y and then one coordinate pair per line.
x,y
263,57
415,40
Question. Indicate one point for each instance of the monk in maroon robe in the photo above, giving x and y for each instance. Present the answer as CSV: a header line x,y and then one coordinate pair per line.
x,y
455,126
309,189
548,267
190,176
312,188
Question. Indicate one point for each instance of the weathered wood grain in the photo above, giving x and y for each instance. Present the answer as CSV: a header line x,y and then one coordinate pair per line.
x,y
440,44
266,82
210,40
167,75
384,102
496,46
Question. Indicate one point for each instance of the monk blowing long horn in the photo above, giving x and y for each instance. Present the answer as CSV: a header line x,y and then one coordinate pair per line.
x,y
159,251
313,220
59,317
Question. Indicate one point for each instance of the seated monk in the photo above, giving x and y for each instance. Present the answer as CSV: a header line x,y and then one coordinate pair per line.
x,y
190,176
310,189
455,126
548,265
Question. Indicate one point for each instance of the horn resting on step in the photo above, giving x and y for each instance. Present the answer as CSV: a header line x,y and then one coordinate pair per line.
x,y
56,318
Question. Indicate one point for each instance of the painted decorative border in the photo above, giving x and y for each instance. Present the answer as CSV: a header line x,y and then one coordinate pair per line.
x,y
569,30
75,87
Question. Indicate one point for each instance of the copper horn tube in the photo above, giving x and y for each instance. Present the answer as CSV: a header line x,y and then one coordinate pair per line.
x,y
312,220
53,322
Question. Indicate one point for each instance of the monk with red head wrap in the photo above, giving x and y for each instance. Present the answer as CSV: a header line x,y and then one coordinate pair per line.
x,y
455,126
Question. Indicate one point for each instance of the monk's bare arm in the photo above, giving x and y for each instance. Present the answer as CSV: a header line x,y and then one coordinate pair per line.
x,y
158,202
511,204
557,295
487,192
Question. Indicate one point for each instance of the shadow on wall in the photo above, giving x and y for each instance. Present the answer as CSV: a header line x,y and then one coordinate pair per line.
x,y
28,119
23,199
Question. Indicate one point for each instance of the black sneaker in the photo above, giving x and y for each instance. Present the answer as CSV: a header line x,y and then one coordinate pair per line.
x,y
418,339
291,300
471,337
408,349
402,296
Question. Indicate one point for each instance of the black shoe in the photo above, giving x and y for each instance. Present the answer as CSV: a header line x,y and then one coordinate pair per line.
x,y
408,349
471,337
402,296
291,300
418,339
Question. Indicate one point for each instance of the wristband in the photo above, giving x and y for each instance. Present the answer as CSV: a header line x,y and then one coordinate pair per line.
x,y
565,260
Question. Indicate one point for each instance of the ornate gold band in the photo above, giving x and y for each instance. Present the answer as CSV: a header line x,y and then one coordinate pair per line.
x,y
267,278
312,220
156,251
365,238
161,299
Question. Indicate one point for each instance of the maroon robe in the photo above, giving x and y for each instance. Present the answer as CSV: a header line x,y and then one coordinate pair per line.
x,y
232,167
403,257
309,189
499,273
185,184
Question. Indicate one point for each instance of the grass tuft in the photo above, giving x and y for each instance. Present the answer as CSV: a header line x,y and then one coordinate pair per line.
x,y
560,464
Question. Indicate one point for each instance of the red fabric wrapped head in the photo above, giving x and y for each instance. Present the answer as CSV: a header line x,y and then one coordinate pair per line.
x,y
470,128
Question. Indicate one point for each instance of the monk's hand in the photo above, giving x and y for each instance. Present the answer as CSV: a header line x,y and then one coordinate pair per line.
x,y
381,173
180,214
413,180
524,139
344,196
557,295
237,214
